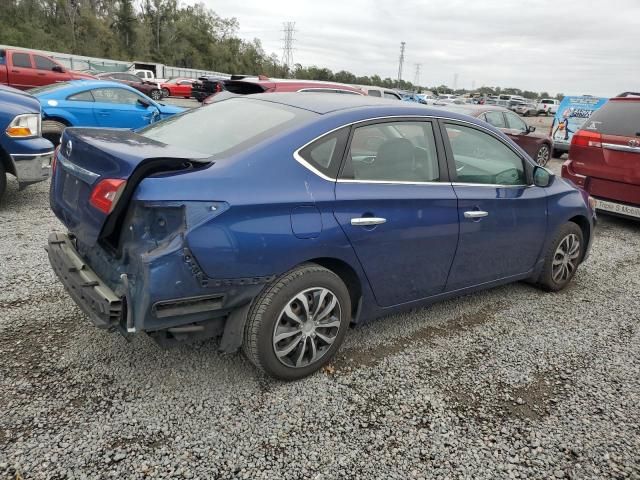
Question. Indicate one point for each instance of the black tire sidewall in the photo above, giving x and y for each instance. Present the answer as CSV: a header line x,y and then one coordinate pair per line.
x,y
3,180
546,278
314,278
166,92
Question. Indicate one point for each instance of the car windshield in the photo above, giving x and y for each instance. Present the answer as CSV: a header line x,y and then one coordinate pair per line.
x,y
48,88
226,126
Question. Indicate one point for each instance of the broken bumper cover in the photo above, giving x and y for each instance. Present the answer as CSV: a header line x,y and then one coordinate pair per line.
x,y
32,168
96,299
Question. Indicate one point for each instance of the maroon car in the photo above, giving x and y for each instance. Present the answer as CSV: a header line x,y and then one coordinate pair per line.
x,y
537,146
248,85
604,156
149,89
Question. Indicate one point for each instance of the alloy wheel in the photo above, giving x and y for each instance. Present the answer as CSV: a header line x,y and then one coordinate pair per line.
x,y
542,158
565,259
307,327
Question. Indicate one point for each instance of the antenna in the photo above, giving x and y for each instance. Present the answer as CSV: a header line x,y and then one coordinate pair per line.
x,y
402,44
287,49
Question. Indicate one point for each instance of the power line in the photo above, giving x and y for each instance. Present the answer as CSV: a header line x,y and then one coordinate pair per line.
x,y
416,79
287,49
402,44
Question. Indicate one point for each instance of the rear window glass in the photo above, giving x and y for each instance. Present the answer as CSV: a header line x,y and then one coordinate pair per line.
x,y
616,118
21,60
226,126
325,154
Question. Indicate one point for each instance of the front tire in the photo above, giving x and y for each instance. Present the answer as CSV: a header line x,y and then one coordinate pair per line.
x,y
3,180
543,155
298,322
166,92
52,131
562,258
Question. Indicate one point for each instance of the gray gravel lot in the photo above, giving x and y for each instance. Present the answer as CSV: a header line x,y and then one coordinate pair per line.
x,y
508,383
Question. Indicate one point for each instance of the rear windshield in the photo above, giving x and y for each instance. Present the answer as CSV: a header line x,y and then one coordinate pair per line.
x,y
226,126
242,88
616,118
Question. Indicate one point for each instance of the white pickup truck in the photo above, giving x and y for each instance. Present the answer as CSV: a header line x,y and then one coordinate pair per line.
x,y
548,106
149,76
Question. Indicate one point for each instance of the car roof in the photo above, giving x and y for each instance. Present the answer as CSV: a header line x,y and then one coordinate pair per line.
x,y
473,110
81,85
361,106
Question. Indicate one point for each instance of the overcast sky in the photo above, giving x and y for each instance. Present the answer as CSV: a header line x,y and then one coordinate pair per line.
x,y
569,46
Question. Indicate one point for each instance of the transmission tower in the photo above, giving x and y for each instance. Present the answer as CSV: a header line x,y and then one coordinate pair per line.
x,y
416,79
402,44
287,49
455,82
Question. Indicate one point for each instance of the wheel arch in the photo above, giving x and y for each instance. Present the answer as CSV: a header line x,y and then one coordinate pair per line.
x,y
348,275
58,118
585,226
6,161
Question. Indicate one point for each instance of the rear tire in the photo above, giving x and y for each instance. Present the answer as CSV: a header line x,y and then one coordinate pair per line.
x,y
562,258
52,131
309,309
555,153
156,94
166,92
3,180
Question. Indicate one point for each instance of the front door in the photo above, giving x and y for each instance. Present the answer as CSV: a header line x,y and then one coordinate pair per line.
x,y
502,217
397,208
121,108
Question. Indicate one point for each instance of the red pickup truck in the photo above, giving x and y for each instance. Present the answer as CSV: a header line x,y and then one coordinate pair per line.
x,y
24,70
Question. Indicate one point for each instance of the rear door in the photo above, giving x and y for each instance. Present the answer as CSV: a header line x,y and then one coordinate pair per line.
x,y
398,209
44,71
120,108
502,217
20,71
518,131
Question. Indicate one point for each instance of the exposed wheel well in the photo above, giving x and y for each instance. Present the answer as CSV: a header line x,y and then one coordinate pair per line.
x,y
58,119
5,159
583,223
348,275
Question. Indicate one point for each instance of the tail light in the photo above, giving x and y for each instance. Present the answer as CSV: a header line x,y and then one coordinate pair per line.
x,y
106,193
54,160
585,138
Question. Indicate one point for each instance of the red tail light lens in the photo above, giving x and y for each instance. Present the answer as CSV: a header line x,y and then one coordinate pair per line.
x,y
54,160
106,193
585,138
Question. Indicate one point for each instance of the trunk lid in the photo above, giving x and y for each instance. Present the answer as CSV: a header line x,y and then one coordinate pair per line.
x,y
88,156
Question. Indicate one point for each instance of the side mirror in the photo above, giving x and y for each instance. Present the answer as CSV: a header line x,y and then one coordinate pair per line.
x,y
542,177
531,129
144,103
58,69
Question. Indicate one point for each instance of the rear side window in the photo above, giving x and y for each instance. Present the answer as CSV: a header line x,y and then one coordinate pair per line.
x,y
226,126
616,117
21,60
374,93
325,154
391,96
496,119
82,97
393,152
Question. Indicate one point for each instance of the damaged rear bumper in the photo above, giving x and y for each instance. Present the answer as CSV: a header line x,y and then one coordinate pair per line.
x,y
97,300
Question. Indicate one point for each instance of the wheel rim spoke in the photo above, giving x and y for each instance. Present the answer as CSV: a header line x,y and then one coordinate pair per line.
x,y
327,310
303,350
324,338
289,348
284,335
288,311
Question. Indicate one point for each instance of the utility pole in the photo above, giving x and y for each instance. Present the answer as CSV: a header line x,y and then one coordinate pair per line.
x,y
287,49
455,82
402,44
416,79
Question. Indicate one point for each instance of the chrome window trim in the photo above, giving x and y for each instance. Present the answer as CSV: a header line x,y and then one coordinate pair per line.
x,y
324,89
492,185
308,166
621,148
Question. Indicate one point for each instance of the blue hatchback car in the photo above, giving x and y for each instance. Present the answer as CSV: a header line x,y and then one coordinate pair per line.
x,y
96,103
276,220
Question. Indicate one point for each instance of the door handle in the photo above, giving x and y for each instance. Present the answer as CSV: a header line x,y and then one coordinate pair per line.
x,y
367,221
475,214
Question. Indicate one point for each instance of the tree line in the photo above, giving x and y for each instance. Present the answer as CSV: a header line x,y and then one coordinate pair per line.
x,y
164,31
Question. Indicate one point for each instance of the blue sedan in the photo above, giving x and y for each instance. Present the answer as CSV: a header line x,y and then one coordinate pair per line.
x,y
277,220
89,103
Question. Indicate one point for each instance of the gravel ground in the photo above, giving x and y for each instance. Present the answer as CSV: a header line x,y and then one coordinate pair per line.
x,y
508,383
